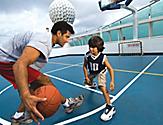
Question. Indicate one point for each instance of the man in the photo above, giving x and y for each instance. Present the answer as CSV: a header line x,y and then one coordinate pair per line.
x,y
22,57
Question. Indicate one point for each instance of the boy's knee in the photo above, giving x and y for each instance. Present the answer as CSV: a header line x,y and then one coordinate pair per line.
x,y
103,89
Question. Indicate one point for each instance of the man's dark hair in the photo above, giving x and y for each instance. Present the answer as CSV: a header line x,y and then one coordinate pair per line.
x,y
96,41
63,27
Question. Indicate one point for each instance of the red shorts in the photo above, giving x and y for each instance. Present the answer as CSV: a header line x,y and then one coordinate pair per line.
x,y
7,72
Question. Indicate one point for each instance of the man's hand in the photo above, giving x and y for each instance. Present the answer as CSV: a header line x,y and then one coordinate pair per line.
x,y
30,102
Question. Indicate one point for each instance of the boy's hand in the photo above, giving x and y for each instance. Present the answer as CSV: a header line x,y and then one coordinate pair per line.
x,y
112,86
87,80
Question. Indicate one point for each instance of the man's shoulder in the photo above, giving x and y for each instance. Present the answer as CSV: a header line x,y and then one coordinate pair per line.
x,y
22,33
41,36
21,38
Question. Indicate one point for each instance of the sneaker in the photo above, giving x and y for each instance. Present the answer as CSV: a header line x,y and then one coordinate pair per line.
x,y
93,86
108,113
74,103
21,118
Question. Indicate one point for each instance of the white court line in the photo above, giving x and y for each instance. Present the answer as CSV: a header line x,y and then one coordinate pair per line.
x,y
63,68
72,83
4,122
60,63
5,89
76,84
112,100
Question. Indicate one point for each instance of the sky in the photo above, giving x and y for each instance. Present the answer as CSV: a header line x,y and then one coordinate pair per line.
x,y
32,15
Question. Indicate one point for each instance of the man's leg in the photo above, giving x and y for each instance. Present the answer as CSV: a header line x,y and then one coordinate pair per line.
x,y
69,104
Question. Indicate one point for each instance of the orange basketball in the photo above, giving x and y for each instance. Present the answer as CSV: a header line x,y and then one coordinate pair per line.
x,y
51,105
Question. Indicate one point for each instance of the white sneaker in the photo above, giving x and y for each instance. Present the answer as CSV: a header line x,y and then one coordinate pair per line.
x,y
93,86
108,113
21,118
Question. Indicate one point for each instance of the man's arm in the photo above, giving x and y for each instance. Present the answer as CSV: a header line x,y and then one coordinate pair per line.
x,y
28,57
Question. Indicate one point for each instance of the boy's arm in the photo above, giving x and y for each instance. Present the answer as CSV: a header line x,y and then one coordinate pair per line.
x,y
111,71
85,69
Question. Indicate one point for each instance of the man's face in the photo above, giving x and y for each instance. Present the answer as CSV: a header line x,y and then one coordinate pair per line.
x,y
64,38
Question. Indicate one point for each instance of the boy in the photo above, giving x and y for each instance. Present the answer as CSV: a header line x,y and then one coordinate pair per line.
x,y
97,63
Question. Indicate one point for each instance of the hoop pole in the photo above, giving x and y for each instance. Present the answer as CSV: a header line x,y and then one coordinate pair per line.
x,y
135,21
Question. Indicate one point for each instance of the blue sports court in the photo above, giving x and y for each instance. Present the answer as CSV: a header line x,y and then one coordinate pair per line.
x,y
137,95
138,79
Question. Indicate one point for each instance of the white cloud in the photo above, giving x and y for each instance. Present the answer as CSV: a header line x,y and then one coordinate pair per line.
x,y
88,15
24,21
18,15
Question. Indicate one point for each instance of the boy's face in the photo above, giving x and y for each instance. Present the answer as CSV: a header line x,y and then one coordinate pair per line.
x,y
93,51
63,38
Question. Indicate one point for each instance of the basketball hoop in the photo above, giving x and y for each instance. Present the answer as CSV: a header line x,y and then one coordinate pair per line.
x,y
112,4
115,4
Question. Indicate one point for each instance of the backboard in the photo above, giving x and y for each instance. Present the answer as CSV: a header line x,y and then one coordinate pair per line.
x,y
112,4
107,2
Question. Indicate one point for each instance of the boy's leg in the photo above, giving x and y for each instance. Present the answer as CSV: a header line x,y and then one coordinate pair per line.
x,y
108,113
109,110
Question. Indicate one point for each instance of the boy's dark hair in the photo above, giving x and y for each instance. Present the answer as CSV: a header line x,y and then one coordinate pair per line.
x,y
96,41
63,27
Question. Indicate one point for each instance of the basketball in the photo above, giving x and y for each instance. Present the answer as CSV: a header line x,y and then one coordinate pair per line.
x,y
51,105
